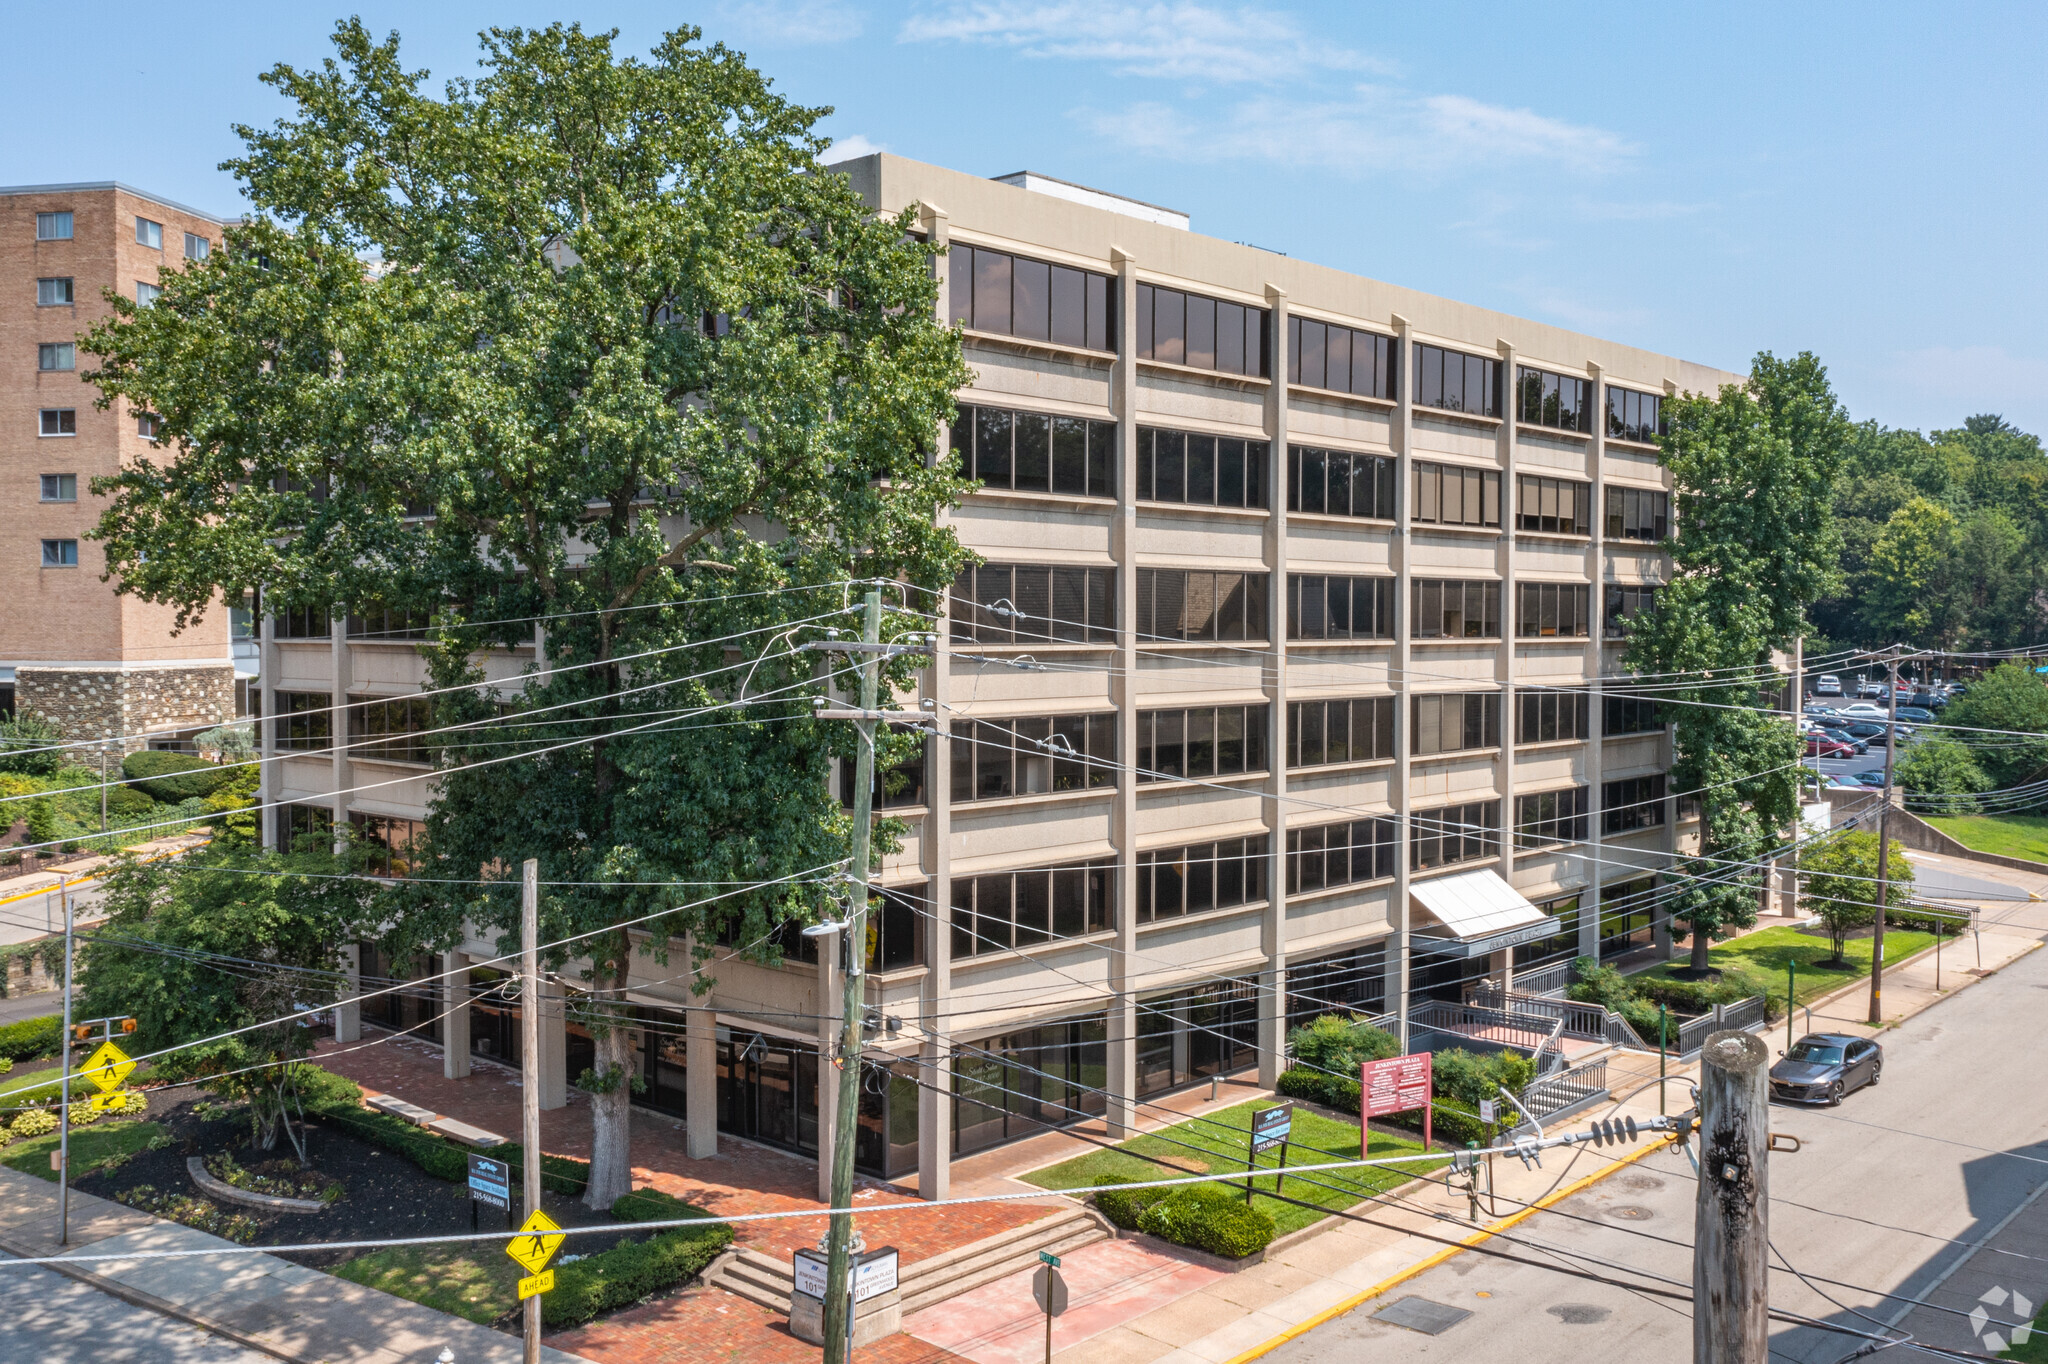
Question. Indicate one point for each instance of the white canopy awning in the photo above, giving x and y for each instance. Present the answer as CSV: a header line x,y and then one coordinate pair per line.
x,y
1476,912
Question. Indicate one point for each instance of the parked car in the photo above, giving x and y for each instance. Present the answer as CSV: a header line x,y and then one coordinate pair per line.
x,y
1929,700
1824,1066
1918,715
1870,732
1833,721
1820,745
1870,690
1873,779
1827,684
1865,710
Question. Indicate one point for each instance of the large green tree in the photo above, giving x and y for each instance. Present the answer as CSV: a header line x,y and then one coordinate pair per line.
x,y
2011,701
1754,469
1838,884
588,339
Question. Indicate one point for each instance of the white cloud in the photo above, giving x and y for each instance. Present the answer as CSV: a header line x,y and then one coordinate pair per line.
x,y
847,148
1180,41
790,22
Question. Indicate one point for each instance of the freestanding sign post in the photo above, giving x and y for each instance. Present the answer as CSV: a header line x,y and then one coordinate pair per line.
x,y
1270,1129
1050,1290
1394,1085
490,1183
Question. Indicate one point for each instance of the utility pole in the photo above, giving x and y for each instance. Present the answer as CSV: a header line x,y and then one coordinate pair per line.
x,y
64,1089
1884,842
529,1067
1731,1308
853,942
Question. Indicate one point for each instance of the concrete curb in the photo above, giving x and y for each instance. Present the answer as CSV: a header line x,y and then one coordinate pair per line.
x,y
195,1166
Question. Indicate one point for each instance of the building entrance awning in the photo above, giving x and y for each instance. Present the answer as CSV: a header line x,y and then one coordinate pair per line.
x,y
1474,914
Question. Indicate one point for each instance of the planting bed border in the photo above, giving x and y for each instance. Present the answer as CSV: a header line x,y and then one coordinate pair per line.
x,y
248,1198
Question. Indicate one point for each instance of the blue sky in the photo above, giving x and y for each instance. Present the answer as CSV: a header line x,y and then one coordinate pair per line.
x,y
1863,181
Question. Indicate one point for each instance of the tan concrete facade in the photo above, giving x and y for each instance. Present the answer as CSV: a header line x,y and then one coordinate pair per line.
x,y
1145,998
69,644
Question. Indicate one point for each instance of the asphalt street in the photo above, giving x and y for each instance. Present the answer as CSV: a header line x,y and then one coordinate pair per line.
x,y
1890,1193
51,1318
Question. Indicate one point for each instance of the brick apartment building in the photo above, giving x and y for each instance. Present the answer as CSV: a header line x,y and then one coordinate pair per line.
x,y
71,649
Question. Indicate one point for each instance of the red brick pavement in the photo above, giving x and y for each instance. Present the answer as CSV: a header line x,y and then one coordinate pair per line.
x,y
710,1326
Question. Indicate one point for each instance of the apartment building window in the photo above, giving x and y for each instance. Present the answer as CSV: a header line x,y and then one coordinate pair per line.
x,y
1632,803
1323,606
1341,359
1346,730
60,554
196,246
1340,484
53,293
993,759
1634,416
1203,471
1013,909
1034,603
1455,608
1624,603
146,293
391,730
148,233
1353,980
305,829
1453,834
1448,495
1201,742
1456,382
1202,333
1455,721
1192,604
147,424
1553,817
56,355
304,722
1549,717
58,421
1630,715
1544,610
303,622
1554,400
392,845
1339,855
1558,506
1175,882
994,291
385,623
1034,452
897,785
53,227
60,487
1638,513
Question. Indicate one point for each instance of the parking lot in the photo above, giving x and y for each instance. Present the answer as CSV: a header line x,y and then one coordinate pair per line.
x,y
1840,770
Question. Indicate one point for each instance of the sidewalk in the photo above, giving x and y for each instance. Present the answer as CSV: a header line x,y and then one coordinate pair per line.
x,y
260,1301
30,906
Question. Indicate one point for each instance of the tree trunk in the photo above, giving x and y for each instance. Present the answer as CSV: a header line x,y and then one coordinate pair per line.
x,y
611,1155
1700,942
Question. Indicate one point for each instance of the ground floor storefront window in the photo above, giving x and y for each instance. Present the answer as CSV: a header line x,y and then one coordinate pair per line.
x,y
1352,981
1021,1083
1190,1035
1629,911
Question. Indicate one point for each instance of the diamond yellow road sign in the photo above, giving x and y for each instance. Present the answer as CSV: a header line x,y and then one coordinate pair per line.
x,y
108,1067
536,1243
542,1282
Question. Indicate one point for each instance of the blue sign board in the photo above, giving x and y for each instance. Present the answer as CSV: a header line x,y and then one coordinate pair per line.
x,y
490,1181
1270,1127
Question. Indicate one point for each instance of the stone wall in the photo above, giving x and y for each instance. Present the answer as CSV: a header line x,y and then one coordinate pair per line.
x,y
87,703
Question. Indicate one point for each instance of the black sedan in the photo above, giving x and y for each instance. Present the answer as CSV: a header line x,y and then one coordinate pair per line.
x,y
1866,731
1823,1066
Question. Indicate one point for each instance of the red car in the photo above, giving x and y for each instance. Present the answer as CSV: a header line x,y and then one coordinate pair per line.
x,y
1821,746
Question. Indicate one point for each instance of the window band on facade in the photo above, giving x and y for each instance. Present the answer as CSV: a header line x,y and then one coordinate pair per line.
x,y
1634,416
1176,882
1453,834
1455,608
1547,717
1559,401
1626,714
1453,722
1553,506
1324,856
1323,733
1547,610
1638,513
1199,470
1548,817
1328,607
995,759
1004,910
1338,483
1032,604
1007,295
1342,359
1623,603
1035,452
1196,605
1179,328
1201,743
1632,803
391,729
1453,495
1453,381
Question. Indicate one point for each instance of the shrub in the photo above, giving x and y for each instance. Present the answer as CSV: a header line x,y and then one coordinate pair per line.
x,y
31,1038
652,1205
558,1174
30,732
172,777
627,1273
337,1100
1468,1077
1340,1043
1331,1091
1208,1218
41,817
1123,1206
34,1123
125,802
1451,1122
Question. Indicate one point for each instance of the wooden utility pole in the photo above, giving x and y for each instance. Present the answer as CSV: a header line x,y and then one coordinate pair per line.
x,y
1884,843
529,1067
1730,1309
853,946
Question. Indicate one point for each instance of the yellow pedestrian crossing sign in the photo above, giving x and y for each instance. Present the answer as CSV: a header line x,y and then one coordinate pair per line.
x,y
108,1067
536,1244
542,1282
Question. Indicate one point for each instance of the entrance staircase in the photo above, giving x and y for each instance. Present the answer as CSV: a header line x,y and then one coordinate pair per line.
x,y
767,1281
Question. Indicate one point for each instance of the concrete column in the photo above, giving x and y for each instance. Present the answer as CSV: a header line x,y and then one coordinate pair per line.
x,y
700,1075
270,783
1403,434
1273,926
935,1052
1123,690
338,683
1596,667
1510,614
554,1046
455,1022
829,1014
348,1014
1660,920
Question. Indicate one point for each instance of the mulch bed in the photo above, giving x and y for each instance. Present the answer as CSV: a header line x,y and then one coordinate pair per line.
x,y
383,1195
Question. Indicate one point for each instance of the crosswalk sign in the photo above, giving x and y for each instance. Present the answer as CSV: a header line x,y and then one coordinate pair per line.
x,y
542,1282
111,1101
536,1243
108,1067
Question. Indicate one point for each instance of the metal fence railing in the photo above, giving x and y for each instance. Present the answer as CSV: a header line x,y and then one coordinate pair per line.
x,y
1544,980
1586,1022
1743,1015
1566,1089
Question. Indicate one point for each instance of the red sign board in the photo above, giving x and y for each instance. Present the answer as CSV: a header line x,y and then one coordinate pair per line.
x,y
1395,1085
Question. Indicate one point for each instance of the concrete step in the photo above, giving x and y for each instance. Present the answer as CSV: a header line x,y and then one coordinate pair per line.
x,y
760,1279
969,1267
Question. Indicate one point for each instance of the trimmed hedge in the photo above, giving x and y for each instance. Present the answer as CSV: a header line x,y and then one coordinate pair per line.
x,y
1123,1206
1454,1120
32,1038
1204,1216
172,777
651,1205
1331,1091
339,1100
631,1271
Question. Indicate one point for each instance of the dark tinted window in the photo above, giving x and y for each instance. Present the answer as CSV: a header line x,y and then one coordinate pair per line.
x,y
1453,721
992,759
1201,743
1559,506
1629,715
1637,513
1555,400
1035,452
1632,803
1200,470
1623,603
1019,908
1358,729
1339,854
1457,382
1338,483
1553,817
1454,833
1543,610
1320,606
1176,603
1547,717
1341,359
993,291
1454,608
900,784
1205,333
1177,881
391,730
1033,603
1634,416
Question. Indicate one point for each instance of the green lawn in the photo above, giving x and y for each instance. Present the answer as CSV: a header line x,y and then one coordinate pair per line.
x,y
1767,952
2007,835
478,1282
28,1079
1224,1138
103,1143
2035,1351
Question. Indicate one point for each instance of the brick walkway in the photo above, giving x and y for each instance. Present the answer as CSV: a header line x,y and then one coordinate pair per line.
x,y
710,1326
